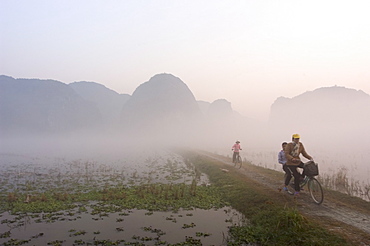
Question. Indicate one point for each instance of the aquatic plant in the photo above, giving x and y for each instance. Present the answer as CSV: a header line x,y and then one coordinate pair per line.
x,y
185,226
5,234
202,234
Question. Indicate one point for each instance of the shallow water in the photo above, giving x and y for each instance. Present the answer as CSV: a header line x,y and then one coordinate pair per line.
x,y
208,226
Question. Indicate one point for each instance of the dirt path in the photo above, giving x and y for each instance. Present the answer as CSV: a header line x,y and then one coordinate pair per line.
x,y
345,217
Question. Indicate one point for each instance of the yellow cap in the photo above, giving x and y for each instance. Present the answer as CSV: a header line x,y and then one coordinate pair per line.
x,y
296,136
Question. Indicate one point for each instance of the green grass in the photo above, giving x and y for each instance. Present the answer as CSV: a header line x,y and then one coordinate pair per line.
x,y
270,220
153,197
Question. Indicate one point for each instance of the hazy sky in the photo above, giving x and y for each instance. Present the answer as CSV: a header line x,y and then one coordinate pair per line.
x,y
248,52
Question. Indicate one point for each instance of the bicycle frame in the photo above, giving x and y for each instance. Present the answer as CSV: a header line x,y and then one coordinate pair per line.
x,y
314,188
238,160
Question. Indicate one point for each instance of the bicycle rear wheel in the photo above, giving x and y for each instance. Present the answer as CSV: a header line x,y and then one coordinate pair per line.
x,y
316,191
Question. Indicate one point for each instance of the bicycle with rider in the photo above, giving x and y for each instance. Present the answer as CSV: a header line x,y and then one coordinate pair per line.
x,y
292,152
236,149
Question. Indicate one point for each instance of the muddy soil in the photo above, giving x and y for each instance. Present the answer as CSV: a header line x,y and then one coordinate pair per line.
x,y
338,216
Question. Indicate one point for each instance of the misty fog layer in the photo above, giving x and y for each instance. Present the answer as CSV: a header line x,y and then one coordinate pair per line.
x,y
87,120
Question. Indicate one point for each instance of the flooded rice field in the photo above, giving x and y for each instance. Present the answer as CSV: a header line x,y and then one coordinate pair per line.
x,y
155,198
128,227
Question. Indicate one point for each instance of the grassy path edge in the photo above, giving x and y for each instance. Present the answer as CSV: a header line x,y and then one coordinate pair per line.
x,y
274,219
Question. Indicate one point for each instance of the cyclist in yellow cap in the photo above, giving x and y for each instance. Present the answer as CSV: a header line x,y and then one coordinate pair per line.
x,y
292,152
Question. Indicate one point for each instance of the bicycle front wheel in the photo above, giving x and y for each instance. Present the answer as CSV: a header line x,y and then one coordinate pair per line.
x,y
239,162
316,191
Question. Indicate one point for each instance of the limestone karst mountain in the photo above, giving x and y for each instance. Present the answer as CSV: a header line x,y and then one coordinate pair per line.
x,y
220,108
165,106
43,106
203,106
328,113
109,102
225,124
162,105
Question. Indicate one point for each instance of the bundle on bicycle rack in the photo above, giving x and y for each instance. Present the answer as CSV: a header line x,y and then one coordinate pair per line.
x,y
311,169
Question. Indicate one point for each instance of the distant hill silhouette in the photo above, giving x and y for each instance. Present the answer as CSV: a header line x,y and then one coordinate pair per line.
x,y
224,124
220,108
330,113
43,106
164,104
203,106
109,102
